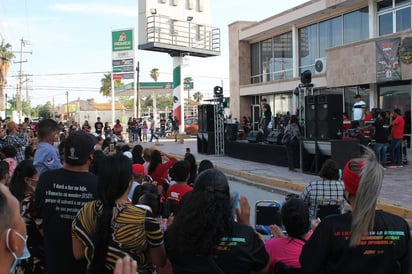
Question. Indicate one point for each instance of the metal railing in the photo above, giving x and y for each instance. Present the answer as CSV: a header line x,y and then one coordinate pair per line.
x,y
165,30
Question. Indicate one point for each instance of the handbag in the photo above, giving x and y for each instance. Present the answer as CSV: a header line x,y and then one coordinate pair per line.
x,y
286,139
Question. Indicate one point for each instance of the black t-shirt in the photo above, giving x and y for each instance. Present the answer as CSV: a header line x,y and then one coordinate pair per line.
x,y
60,194
98,127
385,250
381,130
241,254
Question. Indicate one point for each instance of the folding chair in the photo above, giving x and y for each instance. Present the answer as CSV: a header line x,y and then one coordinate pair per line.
x,y
267,212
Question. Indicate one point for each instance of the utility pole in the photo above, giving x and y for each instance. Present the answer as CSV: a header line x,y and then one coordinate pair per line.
x,y
67,105
18,95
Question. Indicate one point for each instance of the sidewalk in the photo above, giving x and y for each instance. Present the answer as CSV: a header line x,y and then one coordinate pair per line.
x,y
395,196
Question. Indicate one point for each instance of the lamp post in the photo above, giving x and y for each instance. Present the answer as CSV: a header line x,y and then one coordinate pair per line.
x,y
189,19
5,109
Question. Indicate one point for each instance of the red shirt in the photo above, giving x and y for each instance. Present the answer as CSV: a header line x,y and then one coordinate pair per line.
x,y
398,126
177,191
161,170
117,128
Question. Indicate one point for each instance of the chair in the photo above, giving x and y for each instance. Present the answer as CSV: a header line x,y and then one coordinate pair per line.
x,y
267,212
324,210
281,268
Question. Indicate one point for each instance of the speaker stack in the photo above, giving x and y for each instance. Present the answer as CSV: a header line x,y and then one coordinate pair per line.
x,y
206,135
323,123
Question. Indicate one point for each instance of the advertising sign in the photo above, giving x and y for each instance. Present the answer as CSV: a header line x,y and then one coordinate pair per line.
x,y
122,40
387,60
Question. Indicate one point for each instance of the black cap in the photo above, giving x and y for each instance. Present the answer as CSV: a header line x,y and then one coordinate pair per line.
x,y
78,147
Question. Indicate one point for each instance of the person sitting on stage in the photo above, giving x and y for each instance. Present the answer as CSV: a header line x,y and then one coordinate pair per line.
x,y
365,240
287,249
328,190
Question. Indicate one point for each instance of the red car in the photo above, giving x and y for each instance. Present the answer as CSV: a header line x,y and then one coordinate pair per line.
x,y
191,126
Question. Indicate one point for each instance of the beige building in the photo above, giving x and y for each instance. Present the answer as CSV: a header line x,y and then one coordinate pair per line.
x,y
351,47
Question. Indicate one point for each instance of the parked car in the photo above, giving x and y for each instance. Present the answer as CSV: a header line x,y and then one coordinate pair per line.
x,y
191,126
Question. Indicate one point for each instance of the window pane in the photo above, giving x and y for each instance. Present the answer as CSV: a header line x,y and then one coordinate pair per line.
x,y
384,5
401,2
254,63
266,55
281,65
330,34
308,47
385,24
403,19
356,26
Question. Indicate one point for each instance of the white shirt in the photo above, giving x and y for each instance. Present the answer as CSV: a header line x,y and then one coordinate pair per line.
x,y
357,110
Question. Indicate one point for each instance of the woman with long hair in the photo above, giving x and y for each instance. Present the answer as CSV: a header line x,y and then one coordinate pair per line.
x,y
365,240
158,169
137,153
22,186
111,228
204,238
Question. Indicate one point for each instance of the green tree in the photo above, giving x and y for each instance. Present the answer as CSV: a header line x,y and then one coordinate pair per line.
x,y
127,101
186,85
106,81
6,55
198,96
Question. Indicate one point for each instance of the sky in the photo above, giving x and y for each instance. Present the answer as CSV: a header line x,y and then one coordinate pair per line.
x,y
68,45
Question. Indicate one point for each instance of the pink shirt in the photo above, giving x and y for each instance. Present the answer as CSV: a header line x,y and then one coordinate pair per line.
x,y
286,250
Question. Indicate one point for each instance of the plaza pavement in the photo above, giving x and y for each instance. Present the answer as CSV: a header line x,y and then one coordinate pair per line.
x,y
395,196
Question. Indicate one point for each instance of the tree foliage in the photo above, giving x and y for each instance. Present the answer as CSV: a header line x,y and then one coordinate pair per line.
x,y
106,87
198,96
154,74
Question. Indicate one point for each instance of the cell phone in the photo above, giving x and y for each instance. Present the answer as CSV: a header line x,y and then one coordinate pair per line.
x,y
234,202
111,148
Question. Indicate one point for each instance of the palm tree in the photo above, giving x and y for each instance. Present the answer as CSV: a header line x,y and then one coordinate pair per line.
x,y
154,74
198,96
5,57
106,88
186,84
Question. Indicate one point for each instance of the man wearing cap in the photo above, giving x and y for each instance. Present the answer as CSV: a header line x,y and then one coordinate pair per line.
x,y
60,194
398,125
358,107
138,175
13,232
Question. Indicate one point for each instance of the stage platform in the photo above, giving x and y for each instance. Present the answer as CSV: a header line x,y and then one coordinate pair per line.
x,y
257,152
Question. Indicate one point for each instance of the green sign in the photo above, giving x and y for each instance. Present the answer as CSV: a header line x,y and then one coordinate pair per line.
x,y
122,40
122,69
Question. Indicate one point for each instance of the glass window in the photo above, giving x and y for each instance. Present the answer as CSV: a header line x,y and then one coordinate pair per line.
x,y
308,47
403,19
254,63
330,34
401,2
281,65
356,26
385,5
385,23
266,54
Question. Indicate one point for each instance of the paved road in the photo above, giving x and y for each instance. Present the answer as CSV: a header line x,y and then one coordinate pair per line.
x,y
396,194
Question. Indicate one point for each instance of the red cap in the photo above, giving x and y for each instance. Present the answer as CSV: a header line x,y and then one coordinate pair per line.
x,y
351,178
138,168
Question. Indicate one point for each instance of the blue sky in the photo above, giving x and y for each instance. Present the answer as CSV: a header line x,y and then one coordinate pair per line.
x,y
70,41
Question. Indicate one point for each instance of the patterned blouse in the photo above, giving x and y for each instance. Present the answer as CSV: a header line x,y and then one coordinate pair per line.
x,y
134,231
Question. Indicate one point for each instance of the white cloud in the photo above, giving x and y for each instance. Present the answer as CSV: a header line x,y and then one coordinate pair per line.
x,y
97,8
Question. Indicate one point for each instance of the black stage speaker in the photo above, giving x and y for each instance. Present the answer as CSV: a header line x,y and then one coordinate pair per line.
x,y
200,146
273,137
329,116
209,142
310,118
206,118
231,132
254,136
344,150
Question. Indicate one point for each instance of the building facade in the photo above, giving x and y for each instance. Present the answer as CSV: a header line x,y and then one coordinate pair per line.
x,y
351,47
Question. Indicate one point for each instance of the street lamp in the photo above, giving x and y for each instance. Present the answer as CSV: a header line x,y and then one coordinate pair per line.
x,y
67,105
189,19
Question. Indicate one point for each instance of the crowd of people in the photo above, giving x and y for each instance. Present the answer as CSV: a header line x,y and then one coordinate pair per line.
x,y
74,206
